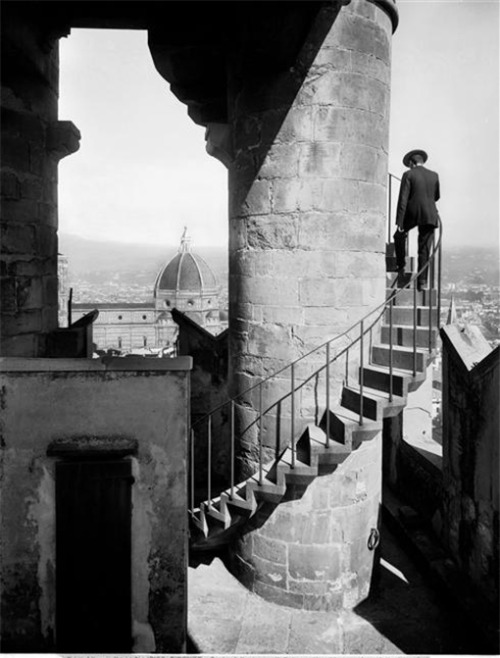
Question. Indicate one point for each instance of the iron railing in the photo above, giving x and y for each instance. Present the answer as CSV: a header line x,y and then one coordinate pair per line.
x,y
363,331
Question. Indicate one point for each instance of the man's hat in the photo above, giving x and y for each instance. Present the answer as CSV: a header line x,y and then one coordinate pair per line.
x,y
410,154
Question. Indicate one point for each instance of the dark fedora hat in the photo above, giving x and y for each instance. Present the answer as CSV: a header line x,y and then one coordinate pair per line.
x,y
410,154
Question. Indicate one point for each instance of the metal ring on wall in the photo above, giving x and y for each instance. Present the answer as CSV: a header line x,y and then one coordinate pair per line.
x,y
373,539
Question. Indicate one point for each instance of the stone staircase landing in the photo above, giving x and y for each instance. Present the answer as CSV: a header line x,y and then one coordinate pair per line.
x,y
225,618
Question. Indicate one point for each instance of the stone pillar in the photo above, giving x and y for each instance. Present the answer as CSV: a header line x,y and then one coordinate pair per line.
x,y
307,188
307,261
33,141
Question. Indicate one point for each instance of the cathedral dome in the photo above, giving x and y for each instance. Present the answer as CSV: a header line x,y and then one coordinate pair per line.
x,y
186,272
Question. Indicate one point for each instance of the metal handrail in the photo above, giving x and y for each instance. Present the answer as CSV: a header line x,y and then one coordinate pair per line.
x,y
382,306
363,330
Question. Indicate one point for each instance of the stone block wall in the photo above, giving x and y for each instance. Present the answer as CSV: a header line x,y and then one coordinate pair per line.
x,y
412,462
307,187
82,405
471,500
33,141
312,551
208,392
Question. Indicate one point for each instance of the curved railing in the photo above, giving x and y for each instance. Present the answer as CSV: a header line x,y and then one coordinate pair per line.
x,y
363,330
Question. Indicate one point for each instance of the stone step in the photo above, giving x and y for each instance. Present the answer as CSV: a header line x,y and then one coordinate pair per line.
x,y
376,405
379,378
268,491
403,315
390,250
215,511
346,432
405,297
402,357
391,264
403,335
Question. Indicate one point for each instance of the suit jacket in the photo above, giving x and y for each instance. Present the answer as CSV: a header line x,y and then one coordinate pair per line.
x,y
418,194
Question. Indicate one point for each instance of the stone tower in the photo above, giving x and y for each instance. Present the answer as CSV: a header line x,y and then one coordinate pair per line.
x,y
307,186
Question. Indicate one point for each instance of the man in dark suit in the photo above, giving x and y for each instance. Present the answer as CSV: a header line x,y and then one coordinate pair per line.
x,y
418,194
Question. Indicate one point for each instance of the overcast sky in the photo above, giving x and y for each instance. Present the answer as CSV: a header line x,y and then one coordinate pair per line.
x,y
142,172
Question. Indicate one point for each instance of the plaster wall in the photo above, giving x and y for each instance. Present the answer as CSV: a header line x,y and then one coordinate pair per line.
x,y
88,402
470,456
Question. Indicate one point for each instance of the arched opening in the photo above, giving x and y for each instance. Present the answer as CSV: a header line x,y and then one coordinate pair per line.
x,y
140,176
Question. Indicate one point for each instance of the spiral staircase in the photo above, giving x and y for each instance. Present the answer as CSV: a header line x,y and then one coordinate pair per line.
x,y
391,365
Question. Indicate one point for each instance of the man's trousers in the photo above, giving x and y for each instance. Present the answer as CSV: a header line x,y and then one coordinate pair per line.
x,y
425,244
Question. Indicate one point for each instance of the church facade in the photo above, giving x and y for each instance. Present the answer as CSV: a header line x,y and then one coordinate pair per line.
x,y
185,283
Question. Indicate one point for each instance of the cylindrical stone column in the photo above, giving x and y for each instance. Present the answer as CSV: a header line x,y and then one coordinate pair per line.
x,y
307,210
315,551
307,261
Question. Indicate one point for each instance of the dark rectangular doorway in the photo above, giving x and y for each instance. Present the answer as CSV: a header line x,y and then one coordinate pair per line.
x,y
93,556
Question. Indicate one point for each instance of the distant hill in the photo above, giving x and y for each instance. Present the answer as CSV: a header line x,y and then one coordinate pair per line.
x,y
91,256
471,265
98,259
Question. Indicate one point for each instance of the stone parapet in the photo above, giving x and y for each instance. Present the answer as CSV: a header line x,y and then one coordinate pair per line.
x,y
471,498
313,551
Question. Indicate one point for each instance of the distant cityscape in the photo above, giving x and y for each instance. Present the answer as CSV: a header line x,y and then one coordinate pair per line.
x,y
109,273
470,276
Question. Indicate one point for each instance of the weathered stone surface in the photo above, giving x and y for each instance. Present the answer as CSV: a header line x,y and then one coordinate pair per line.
x,y
286,196
314,562
470,505
265,290
273,629
350,125
333,600
317,589
259,337
257,201
319,159
370,65
281,162
22,323
269,549
10,185
315,635
335,293
29,293
363,163
279,596
273,232
297,126
270,572
22,211
15,152
364,36
21,345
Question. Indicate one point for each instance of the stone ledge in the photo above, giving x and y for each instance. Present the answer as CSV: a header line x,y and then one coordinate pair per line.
x,y
104,364
88,446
